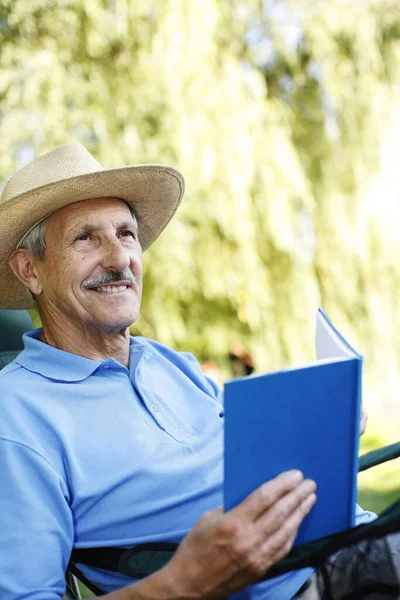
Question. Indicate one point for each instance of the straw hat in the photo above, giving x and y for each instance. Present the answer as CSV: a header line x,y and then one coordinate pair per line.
x,y
70,174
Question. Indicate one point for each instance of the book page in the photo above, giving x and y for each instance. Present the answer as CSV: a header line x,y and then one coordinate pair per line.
x,y
329,343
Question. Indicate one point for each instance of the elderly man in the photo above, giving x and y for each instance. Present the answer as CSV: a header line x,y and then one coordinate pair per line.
x,y
108,440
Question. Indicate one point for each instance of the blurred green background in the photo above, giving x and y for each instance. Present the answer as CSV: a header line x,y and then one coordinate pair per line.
x,y
284,117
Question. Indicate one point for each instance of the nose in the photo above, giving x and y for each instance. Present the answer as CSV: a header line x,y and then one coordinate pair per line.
x,y
115,256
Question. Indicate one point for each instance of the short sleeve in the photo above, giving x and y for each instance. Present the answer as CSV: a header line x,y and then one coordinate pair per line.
x,y
36,533
213,386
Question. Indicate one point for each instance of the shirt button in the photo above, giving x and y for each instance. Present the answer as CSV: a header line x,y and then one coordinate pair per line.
x,y
154,407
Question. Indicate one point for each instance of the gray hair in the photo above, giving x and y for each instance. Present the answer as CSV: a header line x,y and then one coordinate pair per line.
x,y
34,241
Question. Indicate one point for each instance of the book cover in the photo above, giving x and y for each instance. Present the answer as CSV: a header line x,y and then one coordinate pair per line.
x,y
303,418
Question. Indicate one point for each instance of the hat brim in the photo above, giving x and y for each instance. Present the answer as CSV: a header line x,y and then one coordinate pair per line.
x,y
154,191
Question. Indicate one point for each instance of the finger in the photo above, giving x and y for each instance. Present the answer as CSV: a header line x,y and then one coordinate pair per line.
x,y
275,547
283,550
363,421
283,508
277,542
267,494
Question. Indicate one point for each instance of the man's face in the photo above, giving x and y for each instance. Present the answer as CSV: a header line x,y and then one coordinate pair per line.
x,y
92,270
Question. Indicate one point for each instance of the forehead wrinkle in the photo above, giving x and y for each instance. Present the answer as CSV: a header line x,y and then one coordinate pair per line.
x,y
88,227
67,221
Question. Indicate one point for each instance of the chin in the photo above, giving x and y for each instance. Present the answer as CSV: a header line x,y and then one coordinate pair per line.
x,y
115,320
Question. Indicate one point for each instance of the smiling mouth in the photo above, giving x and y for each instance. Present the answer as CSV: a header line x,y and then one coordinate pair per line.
x,y
111,289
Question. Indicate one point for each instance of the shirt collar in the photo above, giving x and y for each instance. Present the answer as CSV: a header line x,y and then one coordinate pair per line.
x,y
54,363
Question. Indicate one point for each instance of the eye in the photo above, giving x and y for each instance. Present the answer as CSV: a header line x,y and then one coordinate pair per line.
x,y
83,237
127,233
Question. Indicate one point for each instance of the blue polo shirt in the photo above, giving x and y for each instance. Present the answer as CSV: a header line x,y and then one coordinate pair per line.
x,y
95,454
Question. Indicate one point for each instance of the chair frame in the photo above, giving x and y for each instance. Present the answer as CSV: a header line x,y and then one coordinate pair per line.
x,y
72,591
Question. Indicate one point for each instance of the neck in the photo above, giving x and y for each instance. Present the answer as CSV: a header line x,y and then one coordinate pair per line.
x,y
97,345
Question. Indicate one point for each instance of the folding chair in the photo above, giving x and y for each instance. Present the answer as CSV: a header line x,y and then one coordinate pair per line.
x,y
72,591
13,324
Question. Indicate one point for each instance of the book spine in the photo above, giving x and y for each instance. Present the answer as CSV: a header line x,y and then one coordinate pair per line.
x,y
359,367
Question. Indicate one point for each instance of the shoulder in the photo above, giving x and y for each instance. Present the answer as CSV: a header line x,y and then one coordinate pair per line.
x,y
23,401
170,354
10,374
17,377
185,362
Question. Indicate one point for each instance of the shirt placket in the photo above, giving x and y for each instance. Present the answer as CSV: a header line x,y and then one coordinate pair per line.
x,y
151,401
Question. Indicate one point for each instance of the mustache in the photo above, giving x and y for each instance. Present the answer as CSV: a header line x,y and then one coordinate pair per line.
x,y
110,277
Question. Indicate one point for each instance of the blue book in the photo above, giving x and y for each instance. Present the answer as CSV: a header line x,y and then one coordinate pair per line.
x,y
305,418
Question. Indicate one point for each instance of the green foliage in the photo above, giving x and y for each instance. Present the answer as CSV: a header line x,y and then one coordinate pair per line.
x,y
284,118
379,486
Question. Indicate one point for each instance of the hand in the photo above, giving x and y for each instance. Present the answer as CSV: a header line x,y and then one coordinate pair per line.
x,y
225,552
363,421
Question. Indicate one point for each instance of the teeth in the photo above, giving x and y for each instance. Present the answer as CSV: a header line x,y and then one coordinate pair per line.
x,y
112,288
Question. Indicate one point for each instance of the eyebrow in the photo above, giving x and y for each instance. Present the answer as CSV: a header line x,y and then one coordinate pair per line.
x,y
89,227
128,225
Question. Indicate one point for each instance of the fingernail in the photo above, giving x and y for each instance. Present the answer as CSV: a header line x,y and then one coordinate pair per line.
x,y
311,484
297,476
309,502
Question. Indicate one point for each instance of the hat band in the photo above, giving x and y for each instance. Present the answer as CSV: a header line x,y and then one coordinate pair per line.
x,y
21,241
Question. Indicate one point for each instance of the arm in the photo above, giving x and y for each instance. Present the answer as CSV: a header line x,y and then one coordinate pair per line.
x,y
36,532
225,552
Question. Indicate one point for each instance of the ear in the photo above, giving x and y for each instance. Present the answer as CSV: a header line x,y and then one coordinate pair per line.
x,y
23,267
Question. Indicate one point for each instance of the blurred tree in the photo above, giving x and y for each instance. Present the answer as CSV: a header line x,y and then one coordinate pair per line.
x,y
284,118
336,65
